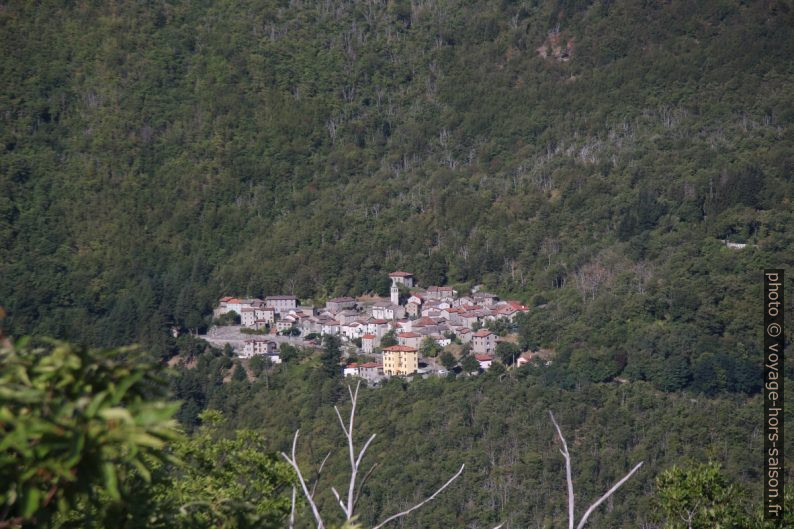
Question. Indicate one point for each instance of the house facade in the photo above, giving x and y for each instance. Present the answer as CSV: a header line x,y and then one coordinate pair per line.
x,y
369,342
483,342
281,303
259,346
266,314
247,317
484,360
402,278
336,304
387,311
411,339
372,372
400,360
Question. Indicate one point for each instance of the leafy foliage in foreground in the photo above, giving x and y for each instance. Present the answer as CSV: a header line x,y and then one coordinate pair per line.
x,y
87,440
226,482
76,423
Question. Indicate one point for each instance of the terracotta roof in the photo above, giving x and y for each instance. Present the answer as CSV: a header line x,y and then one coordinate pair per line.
x,y
408,335
399,273
371,364
368,337
379,322
226,298
482,333
400,349
350,366
483,358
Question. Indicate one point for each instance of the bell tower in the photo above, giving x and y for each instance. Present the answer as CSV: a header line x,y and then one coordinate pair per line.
x,y
395,293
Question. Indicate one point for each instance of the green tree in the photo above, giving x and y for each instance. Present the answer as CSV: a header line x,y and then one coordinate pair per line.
x,y
448,360
697,496
226,481
287,352
429,348
331,356
469,364
78,425
388,339
507,352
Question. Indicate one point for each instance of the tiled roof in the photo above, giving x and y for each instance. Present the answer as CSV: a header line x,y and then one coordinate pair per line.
x,y
371,365
482,333
400,349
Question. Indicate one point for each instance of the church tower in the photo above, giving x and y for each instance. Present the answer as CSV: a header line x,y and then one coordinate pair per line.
x,y
395,294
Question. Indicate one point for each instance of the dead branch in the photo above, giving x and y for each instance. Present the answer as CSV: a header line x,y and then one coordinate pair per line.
x,y
436,493
568,478
293,461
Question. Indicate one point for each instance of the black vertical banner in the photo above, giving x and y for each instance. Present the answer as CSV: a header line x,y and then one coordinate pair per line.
x,y
774,339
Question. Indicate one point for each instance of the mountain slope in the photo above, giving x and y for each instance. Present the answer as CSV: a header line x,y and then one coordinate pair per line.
x,y
589,156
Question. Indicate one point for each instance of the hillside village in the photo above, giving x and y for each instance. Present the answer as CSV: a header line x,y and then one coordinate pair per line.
x,y
391,332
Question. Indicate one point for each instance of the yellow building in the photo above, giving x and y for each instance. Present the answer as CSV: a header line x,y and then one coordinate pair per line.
x,y
400,360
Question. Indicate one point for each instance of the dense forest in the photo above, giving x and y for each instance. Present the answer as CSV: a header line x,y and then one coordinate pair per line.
x,y
589,158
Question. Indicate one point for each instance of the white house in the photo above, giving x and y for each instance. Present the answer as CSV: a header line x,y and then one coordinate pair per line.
x,y
484,360
369,342
350,370
330,327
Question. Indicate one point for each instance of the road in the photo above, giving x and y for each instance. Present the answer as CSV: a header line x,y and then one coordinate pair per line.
x,y
230,334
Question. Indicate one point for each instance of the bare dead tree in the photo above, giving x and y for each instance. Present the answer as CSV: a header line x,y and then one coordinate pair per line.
x,y
354,486
569,480
292,509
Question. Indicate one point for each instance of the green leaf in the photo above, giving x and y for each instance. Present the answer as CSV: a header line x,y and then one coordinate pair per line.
x,y
111,480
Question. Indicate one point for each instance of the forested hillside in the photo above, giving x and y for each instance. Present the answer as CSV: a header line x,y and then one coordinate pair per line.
x,y
497,424
585,156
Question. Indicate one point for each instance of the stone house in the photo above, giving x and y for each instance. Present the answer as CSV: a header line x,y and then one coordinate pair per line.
x,y
372,372
387,311
248,317
259,346
336,304
411,339
483,342
268,314
281,303
346,316
402,278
